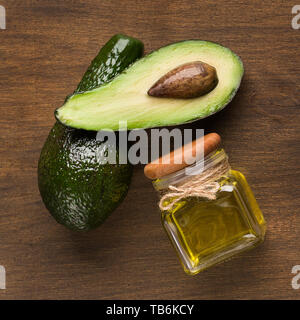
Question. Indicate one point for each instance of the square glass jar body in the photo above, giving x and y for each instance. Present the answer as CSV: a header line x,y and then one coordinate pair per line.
x,y
207,232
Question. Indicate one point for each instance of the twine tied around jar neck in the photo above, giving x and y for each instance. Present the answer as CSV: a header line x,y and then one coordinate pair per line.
x,y
204,185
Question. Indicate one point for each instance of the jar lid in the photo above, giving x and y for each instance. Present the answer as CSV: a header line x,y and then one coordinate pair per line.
x,y
182,157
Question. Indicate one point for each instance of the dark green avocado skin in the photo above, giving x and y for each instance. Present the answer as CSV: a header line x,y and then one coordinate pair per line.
x,y
76,187
116,55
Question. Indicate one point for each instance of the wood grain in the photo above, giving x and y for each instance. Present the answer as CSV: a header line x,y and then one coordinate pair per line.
x,y
43,54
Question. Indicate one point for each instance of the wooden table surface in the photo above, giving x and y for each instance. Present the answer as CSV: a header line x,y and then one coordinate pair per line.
x,y
43,53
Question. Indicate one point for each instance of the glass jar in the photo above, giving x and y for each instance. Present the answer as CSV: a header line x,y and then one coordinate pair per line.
x,y
205,232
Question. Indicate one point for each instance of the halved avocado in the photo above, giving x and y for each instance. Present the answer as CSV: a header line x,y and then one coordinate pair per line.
x,y
125,98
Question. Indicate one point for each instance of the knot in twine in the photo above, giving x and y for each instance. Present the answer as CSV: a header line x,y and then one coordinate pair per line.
x,y
204,185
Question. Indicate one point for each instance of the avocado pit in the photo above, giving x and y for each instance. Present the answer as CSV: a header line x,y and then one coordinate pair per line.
x,y
189,80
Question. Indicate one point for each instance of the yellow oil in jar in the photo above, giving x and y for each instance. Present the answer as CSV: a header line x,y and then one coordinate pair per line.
x,y
206,232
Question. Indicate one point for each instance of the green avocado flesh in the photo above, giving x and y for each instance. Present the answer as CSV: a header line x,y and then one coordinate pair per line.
x,y
78,188
125,97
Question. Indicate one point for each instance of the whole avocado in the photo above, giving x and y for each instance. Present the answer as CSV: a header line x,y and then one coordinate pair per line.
x,y
78,189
